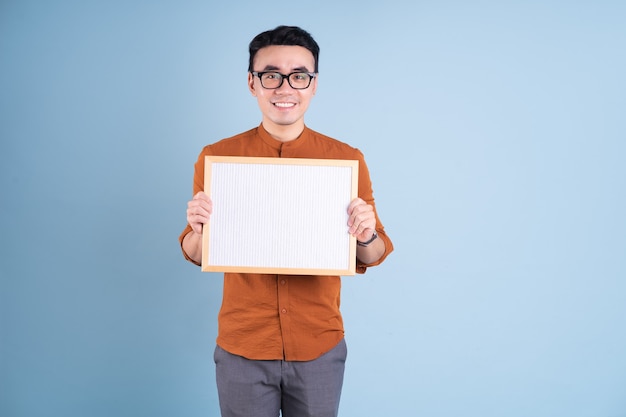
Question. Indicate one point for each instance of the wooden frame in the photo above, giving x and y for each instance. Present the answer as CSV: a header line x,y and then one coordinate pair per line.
x,y
279,215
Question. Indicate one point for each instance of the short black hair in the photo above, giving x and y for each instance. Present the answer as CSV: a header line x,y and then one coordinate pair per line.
x,y
284,35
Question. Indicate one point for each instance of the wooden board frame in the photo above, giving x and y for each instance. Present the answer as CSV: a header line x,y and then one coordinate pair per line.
x,y
288,190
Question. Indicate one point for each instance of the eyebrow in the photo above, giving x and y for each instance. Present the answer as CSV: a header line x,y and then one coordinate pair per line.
x,y
275,68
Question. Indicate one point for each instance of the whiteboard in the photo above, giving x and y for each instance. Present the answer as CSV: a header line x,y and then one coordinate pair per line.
x,y
279,215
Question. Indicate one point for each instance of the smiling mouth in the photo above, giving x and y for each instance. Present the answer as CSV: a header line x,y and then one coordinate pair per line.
x,y
284,105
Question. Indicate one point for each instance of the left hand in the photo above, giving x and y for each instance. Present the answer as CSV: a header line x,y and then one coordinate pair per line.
x,y
361,220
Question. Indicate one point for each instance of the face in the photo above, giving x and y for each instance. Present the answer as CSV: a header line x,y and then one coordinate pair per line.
x,y
283,108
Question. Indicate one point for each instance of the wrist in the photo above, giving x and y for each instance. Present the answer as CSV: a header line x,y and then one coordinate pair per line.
x,y
366,243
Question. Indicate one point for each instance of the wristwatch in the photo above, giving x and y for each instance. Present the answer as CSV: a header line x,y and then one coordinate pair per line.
x,y
373,238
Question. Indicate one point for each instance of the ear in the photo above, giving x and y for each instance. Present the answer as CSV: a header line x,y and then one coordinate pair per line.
x,y
251,84
314,84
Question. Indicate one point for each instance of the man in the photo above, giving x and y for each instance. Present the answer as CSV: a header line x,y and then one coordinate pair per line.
x,y
280,344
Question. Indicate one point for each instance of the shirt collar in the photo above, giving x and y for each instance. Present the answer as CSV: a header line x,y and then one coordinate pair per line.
x,y
278,145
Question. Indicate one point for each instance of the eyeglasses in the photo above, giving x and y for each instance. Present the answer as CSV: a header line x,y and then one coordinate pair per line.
x,y
273,80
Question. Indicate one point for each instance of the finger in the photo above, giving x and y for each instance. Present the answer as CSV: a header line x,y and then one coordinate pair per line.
x,y
361,213
355,203
200,205
198,214
363,221
353,210
201,195
363,227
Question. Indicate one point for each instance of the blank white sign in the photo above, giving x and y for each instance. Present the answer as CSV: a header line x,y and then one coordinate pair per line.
x,y
279,215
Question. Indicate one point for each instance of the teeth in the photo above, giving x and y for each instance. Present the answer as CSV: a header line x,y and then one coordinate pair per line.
x,y
284,104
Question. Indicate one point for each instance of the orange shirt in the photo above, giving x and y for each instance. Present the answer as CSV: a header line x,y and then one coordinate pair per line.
x,y
285,317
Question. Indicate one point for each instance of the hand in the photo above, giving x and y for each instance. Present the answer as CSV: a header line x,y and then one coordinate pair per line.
x,y
199,210
361,220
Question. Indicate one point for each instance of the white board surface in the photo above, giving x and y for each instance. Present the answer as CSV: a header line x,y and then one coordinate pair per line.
x,y
279,215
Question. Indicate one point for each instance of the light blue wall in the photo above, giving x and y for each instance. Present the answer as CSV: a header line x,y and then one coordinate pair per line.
x,y
495,134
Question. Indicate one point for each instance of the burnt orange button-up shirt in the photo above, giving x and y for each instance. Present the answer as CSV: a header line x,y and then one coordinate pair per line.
x,y
286,317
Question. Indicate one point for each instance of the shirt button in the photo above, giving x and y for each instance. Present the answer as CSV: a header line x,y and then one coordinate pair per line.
x,y
283,282
284,310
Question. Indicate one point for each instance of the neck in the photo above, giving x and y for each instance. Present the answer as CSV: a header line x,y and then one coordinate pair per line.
x,y
284,133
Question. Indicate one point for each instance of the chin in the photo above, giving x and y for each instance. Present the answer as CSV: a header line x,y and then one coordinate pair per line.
x,y
286,121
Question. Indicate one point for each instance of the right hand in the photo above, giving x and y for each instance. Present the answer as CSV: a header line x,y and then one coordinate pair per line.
x,y
199,210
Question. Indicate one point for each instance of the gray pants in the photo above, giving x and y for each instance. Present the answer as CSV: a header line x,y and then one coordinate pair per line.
x,y
249,388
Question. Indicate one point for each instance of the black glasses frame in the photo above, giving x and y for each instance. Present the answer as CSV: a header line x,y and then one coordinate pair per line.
x,y
283,77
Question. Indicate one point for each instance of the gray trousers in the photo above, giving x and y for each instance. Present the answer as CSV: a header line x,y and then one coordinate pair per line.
x,y
250,388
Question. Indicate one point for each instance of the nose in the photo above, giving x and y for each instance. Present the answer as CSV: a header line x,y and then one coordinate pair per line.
x,y
285,87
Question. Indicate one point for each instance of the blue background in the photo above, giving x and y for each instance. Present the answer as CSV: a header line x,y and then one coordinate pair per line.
x,y
495,134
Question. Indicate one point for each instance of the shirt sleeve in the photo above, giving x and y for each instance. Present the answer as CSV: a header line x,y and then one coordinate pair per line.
x,y
198,185
367,194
